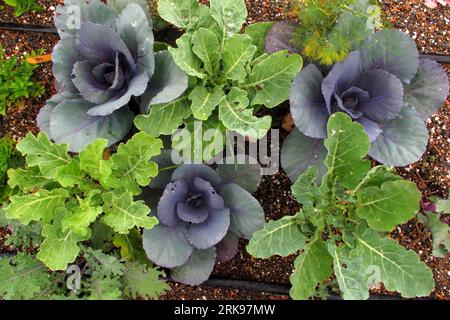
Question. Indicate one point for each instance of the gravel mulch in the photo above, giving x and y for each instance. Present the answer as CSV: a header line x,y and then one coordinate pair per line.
x,y
44,18
21,119
182,292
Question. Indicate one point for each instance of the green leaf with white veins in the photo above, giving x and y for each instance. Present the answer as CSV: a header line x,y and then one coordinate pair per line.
x,y
186,14
204,45
350,273
37,206
204,101
230,15
26,179
399,269
164,118
131,164
185,58
60,247
394,203
70,174
91,160
82,216
312,266
235,115
271,78
122,213
40,151
237,53
281,237
258,32
347,144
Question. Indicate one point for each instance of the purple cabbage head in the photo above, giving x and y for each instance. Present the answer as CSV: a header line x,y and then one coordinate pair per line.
x,y
104,61
202,214
384,86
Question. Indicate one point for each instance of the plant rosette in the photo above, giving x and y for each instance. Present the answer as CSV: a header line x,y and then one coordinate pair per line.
x,y
230,75
202,213
384,86
342,228
103,63
65,196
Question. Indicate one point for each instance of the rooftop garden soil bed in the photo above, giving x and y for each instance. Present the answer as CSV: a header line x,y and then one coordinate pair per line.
x,y
431,173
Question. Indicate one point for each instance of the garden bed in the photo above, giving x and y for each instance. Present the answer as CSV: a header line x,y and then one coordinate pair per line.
x,y
431,173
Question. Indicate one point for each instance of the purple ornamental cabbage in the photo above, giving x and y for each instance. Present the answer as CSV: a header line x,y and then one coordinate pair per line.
x,y
384,86
103,62
202,214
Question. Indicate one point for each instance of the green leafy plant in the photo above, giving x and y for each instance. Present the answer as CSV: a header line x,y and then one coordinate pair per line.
x,y
328,29
343,224
23,6
66,195
431,217
9,158
16,80
97,276
230,75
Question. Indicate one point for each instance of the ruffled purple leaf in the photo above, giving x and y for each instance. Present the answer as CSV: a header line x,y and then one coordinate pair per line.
x,y
135,30
190,171
64,57
248,176
168,83
209,233
90,11
167,246
70,123
393,51
386,96
403,140
167,207
299,152
279,38
308,106
344,75
197,269
191,214
372,129
209,194
99,43
228,247
428,90
136,87
247,215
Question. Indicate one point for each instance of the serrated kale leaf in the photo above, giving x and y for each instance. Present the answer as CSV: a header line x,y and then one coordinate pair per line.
x,y
343,224
75,192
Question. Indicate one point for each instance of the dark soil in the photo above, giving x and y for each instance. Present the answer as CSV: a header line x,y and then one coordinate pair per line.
x,y
21,119
182,292
431,173
429,27
44,18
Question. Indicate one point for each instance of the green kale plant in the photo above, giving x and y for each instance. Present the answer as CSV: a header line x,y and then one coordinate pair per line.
x,y
65,195
230,75
16,80
23,6
97,276
342,228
